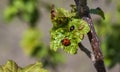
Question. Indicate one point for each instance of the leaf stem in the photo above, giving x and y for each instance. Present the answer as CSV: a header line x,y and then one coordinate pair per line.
x,y
87,52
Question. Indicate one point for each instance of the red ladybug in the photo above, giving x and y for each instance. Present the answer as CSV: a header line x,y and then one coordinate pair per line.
x,y
66,42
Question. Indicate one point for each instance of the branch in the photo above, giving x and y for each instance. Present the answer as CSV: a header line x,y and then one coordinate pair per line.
x,y
82,8
83,12
87,52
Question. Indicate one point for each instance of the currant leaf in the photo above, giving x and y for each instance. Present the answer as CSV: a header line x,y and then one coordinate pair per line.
x,y
67,31
11,66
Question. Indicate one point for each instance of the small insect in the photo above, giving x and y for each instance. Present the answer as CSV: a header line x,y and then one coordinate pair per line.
x,y
81,27
66,42
53,13
72,28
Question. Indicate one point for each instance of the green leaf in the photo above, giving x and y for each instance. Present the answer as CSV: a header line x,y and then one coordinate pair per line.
x,y
19,4
65,37
57,57
25,10
40,51
98,11
10,12
34,68
30,7
11,66
30,40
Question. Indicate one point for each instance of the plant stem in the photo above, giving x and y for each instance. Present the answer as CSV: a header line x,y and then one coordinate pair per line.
x,y
87,52
83,12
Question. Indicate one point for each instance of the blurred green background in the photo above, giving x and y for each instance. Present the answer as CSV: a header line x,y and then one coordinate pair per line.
x,y
24,35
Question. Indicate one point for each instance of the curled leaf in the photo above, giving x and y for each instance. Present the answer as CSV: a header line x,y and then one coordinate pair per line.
x,y
98,11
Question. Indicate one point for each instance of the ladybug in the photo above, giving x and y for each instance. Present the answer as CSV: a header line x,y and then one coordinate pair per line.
x,y
72,28
66,42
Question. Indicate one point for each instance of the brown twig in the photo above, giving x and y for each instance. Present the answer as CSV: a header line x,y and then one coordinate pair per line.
x,y
83,12
87,52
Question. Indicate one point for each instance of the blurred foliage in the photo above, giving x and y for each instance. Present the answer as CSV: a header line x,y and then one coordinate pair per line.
x,y
11,66
98,11
108,1
24,9
32,46
31,39
27,11
67,31
109,32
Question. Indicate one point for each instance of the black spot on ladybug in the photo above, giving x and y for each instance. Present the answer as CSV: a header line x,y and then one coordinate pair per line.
x,y
66,42
72,28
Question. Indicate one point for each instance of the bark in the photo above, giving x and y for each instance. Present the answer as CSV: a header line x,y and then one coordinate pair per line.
x,y
83,12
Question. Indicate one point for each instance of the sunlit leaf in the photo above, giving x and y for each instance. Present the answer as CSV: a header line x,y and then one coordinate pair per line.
x,y
67,31
11,66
